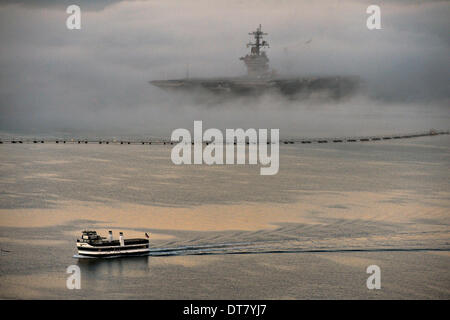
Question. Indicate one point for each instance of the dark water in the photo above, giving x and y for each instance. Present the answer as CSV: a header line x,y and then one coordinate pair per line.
x,y
226,231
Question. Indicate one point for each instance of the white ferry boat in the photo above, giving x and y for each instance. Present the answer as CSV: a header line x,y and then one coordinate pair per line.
x,y
93,245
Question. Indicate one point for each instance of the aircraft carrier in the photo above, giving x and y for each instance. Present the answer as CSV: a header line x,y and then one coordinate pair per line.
x,y
260,79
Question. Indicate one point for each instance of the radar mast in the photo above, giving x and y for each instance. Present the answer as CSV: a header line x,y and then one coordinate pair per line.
x,y
259,41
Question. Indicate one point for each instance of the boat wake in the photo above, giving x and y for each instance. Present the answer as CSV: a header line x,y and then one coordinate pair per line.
x,y
267,247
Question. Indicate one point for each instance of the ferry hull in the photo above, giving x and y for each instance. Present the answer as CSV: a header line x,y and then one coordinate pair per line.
x,y
113,254
99,252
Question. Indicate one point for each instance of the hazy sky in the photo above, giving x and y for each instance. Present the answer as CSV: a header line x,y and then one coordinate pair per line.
x,y
95,80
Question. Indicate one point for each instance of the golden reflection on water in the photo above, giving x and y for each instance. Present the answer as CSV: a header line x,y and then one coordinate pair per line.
x,y
310,209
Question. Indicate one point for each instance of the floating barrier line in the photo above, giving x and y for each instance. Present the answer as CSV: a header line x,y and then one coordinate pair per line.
x,y
168,142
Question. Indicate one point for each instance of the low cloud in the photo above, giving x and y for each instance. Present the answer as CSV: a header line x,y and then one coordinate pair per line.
x,y
95,80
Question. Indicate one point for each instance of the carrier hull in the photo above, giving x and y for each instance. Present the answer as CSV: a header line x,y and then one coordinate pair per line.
x,y
335,87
